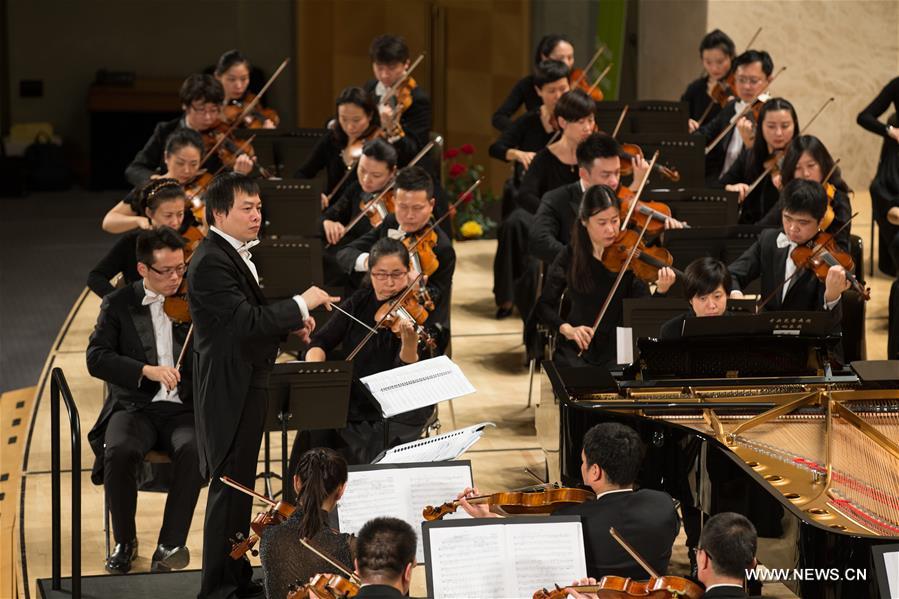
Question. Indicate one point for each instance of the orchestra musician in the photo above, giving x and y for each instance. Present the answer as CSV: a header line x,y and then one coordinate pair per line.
x,y
611,457
319,482
183,152
362,440
236,337
385,557
201,100
554,47
726,552
233,71
579,273
717,52
706,285
778,124
164,204
752,72
135,349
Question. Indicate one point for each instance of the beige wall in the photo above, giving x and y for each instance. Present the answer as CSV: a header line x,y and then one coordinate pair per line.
x,y
668,28
845,49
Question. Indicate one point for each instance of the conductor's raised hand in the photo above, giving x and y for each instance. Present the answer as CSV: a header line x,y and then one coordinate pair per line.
x,y
315,297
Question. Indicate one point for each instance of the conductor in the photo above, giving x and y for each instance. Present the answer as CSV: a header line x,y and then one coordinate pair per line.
x,y
236,337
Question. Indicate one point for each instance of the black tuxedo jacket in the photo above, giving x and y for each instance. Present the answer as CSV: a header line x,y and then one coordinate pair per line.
x,y
645,518
236,337
379,591
415,120
725,593
555,217
714,160
122,343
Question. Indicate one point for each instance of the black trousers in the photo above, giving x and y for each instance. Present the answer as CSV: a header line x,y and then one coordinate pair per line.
x,y
165,426
512,263
888,234
228,511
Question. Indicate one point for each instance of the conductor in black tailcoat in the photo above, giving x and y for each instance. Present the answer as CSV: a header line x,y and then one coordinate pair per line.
x,y
236,337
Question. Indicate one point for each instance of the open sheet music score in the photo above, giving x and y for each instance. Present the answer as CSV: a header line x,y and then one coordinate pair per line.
x,y
447,446
414,386
401,491
499,558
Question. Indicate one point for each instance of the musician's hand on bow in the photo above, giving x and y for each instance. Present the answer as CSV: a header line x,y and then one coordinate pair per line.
x,y
581,335
666,279
742,190
325,202
579,583
316,297
746,129
777,181
673,223
835,284
736,294
167,376
692,125
243,164
334,231
477,510
268,124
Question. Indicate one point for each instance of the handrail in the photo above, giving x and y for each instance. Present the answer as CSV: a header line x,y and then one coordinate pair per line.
x,y
59,386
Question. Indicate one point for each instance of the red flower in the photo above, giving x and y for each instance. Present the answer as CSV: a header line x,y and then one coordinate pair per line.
x,y
456,170
451,153
467,149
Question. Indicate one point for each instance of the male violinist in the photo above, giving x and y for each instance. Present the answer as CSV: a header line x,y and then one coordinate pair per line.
x,y
201,100
236,337
385,556
135,348
610,461
752,73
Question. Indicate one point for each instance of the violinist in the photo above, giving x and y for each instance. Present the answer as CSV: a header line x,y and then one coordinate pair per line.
x,y
611,458
183,152
578,272
201,99
726,552
163,203
385,557
388,267
233,71
135,348
752,72
717,52
319,482
553,47
804,203
706,285
414,207
807,158
885,185
778,124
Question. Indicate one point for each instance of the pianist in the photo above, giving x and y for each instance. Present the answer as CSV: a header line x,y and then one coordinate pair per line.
x,y
706,283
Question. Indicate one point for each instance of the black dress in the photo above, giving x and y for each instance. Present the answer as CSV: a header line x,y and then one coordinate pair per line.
x,y
327,156
584,307
524,92
885,186
760,200
546,173
526,133
343,210
697,98
285,561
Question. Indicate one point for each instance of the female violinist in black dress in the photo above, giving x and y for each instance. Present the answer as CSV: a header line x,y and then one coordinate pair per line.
x,y
234,72
716,50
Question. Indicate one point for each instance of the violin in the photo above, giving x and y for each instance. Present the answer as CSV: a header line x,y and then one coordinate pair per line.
x,y
255,118
617,587
831,192
647,261
193,190
723,91
655,212
820,253
543,501
277,513
579,81
628,152
378,211
176,306
219,139
392,314
324,586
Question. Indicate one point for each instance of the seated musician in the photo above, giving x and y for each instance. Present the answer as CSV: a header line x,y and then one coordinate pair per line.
x,y
778,124
385,556
183,152
201,99
162,202
716,50
726,551
768,258
706,285
553,47
753,70
233,71
388,267
610,461
578,271
414,207
807,158
135,348
319,481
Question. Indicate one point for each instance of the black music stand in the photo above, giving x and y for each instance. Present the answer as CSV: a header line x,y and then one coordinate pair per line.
x,y
722,243
680,151
290,207
318,393
287,265
644,116
698,206
285,149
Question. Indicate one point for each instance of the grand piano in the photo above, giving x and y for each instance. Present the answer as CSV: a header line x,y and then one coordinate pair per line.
x,y
747,414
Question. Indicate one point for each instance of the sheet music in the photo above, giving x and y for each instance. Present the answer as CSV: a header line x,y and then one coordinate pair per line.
x,y
625,344
447,446
413,386
401,493
498,560
891,564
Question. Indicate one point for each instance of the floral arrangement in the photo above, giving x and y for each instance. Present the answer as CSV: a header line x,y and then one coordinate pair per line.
x,y
471,220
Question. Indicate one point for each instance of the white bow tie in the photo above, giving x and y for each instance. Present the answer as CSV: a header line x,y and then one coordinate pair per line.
x,y
396,234
151,298
244,250
784,242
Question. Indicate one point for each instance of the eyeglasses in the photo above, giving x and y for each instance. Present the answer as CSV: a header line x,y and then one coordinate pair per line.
x,y
748,80
207,111
167,272
383,276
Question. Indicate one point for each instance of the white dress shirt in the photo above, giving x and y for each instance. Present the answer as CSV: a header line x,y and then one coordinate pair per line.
x,y
243,249
162,332
736,140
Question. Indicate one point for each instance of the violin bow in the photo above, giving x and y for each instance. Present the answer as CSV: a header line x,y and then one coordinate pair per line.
x,y
600,78
753,38
620,121
759,179
305,542
246,490
760,305
372,332
630,210
633,553
599,52
830,173
462,198
743,112
393,88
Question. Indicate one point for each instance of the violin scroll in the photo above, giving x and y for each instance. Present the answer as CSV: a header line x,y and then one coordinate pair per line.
x,y
431,513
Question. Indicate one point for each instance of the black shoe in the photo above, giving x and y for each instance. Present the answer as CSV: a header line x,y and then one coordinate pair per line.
x,y
253,588
119,562
503,312
167,558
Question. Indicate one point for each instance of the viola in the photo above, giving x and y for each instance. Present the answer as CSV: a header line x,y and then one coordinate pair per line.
x,y
617,587
542,501
578,80
255,118
820,253
630,151
324,586
392,314
421,249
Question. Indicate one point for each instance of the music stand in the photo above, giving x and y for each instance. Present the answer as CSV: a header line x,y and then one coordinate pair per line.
x,y
290,207
287,265
644,116
286,149
698,206
722,243
317,392
786,322
680,151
